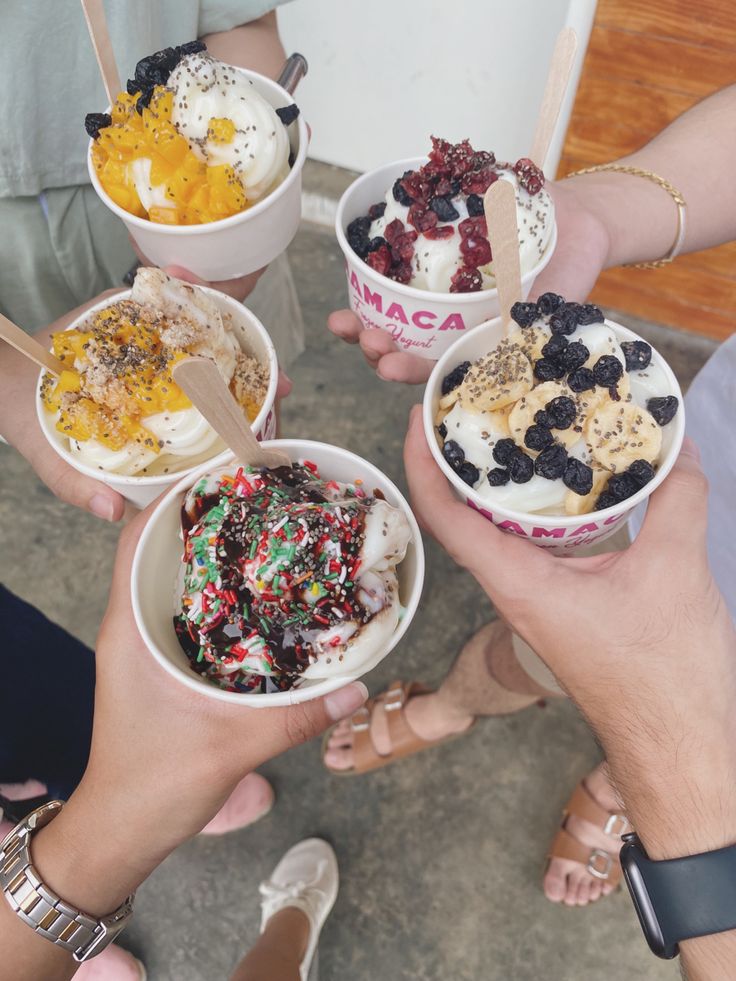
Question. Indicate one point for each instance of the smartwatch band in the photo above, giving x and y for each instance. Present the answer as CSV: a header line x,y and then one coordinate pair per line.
x,y
681,898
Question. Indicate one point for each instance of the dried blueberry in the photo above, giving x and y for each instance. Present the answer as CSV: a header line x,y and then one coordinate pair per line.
x,y
468,473
574,356
377,210
453,453
664,408
606,500
581,380
524,313
641,471
191,47
156,68
498,477
94,122
589,313
564,320
375,243
357,235
555,346
521,467
578,476
287,114
621,486
543,418
144,100
549,302
537,437
551,462
608,371
132,86
547,370
455,377
638,355
504,450
561,411
444,209
475,205
400,192
442,430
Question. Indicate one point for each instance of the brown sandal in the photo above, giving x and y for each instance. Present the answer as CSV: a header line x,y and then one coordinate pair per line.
x,y
404,741
597,861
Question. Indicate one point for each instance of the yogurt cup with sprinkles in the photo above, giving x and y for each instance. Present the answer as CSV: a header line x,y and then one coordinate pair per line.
x,y
403,279
267,588
186,441
562,483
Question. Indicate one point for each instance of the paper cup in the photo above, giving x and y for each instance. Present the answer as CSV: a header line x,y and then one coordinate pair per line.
x,y
419,321
563,533
141,490
234,246
158,557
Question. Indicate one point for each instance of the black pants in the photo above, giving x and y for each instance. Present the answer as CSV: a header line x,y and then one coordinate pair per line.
x,y
47,684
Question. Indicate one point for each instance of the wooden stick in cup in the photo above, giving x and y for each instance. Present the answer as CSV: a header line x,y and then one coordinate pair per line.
x,y
27,345
560,69
205,386
499,202
94,14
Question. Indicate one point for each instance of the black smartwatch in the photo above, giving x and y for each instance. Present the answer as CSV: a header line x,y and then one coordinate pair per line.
x,y
680,898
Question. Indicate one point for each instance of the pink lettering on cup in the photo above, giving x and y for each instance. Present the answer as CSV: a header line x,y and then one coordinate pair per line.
x,y
396,312
453,322
419,319
548,532
374,299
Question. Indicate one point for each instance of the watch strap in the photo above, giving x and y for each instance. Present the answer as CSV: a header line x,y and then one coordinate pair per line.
x,y
681,898
40,908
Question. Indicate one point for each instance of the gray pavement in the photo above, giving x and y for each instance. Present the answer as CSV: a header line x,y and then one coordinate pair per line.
x,y
440,856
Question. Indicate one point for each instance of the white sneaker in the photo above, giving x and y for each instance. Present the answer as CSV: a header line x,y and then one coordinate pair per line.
x,y
307,877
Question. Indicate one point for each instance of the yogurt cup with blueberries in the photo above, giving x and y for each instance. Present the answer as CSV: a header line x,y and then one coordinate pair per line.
x,y
556,427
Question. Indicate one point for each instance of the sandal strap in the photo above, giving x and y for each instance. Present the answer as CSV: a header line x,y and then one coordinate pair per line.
x,y
583,805
402,738
597,861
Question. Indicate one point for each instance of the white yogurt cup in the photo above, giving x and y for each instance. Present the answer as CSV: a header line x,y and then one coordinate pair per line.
x,y
140,490
234,246
420,322
159,554
563,532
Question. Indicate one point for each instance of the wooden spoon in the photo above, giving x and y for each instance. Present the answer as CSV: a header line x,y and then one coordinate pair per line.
x,y
205,386
27,345
94,14
499,202
560,69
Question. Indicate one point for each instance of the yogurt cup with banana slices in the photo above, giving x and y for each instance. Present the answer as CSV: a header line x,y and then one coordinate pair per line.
x,y
557,426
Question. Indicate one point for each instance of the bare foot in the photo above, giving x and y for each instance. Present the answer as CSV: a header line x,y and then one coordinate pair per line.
x,y
569,882
427,715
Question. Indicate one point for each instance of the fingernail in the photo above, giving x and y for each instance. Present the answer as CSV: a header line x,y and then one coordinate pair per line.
x,y
102,506
345,701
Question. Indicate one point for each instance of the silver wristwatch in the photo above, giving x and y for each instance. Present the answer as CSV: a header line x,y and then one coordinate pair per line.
x,y
43,911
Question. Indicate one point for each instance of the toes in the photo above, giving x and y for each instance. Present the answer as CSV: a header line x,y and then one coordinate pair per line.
x,y
339,759
596,890
573,885
583,895
555,881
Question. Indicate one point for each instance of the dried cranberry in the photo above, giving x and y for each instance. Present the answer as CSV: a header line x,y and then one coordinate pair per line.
x,y
401,273
475,251
439,231
478,181
399,191
392,231
421,218
466,280
380,260
530,176
377,210
402,248
473,226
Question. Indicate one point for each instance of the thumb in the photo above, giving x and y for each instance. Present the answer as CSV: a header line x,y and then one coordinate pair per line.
x,y
77,489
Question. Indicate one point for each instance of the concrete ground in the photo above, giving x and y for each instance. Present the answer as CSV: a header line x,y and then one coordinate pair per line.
x,y
440,856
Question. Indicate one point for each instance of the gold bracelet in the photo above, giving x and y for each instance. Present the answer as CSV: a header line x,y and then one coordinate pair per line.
x,y
665,185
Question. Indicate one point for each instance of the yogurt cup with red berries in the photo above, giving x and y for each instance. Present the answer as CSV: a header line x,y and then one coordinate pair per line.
x,y
418,261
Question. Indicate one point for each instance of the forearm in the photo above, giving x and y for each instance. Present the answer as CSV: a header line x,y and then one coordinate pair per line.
x,y
255,45
695,154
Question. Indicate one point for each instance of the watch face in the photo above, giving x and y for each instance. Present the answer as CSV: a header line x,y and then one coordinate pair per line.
x,y
634,863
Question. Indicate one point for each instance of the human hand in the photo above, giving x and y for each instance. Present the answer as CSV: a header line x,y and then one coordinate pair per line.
x,y
380,350
641,639
582,246
20,426
163,759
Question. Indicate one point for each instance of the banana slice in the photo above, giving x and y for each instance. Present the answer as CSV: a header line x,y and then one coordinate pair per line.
x,y
522,414
620,432
584,503
531,340
496,380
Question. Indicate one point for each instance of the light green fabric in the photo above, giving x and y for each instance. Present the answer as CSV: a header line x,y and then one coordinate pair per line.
x,y
60,246
49,78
